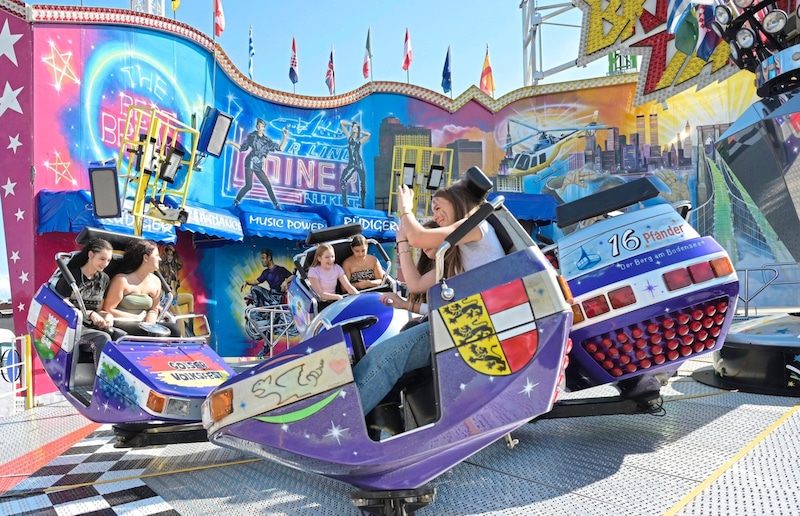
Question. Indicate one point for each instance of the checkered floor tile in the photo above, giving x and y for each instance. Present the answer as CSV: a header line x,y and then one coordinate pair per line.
x,y
99,479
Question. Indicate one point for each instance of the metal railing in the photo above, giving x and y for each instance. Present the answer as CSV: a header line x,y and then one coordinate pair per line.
x,y
272,323
772,276
16,368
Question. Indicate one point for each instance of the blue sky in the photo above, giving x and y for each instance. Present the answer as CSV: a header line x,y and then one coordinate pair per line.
x,y
467,26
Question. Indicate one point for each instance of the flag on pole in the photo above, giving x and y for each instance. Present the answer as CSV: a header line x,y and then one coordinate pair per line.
x,y
487,79
251,55
687,33
367,56
330,76
294,75
408,55
175,5
710,39
447,81
219,18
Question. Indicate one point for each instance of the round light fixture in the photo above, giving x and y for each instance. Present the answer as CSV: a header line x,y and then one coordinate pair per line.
x,y
723,15
774,21
743,3
745,37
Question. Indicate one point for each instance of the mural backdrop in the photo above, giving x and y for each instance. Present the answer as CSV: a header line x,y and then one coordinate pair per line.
x,y
296,164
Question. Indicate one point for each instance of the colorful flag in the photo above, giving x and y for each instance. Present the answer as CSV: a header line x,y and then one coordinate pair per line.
x,y
330,76
408,55
676,12
447,80
367,56
175,5
686,36
710,38
251,55
219,18
487,79
294,75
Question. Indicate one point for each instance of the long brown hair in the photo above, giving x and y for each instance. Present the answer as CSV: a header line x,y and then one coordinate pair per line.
x,y
464,201
424,265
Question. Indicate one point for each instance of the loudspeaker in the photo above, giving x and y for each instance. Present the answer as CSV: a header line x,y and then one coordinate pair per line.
x,y
214,132
105,190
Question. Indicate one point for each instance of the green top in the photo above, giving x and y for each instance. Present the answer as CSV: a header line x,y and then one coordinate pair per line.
x,y
135,303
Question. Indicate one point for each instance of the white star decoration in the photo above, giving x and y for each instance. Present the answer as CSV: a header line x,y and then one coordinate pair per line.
x,y
20,214
9,99
528,389
21,307
9,187
13,143
7,41
14,256
23,277
59,62
336,432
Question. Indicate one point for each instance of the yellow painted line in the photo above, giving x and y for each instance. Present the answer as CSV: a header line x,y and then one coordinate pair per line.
x,y
722,469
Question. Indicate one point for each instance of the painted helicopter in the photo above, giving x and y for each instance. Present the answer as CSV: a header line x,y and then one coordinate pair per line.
x,y
547,147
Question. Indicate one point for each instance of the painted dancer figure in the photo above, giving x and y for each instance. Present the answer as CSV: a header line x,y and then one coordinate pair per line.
x,y
259,145
355,164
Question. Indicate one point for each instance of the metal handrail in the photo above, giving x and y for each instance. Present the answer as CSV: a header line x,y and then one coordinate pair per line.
x,y
774,268
278,327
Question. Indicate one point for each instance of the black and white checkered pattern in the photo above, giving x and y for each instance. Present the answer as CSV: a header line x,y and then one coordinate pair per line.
x,y
92,461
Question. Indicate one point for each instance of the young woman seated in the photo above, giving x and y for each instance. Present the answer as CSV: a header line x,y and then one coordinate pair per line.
x,y
361,268
87,268
418,277
135,291
383,365
325,274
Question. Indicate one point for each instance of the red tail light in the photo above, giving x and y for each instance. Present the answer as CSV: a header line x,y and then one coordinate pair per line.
x,y
679,278
721,266
595,306
622,297
701,272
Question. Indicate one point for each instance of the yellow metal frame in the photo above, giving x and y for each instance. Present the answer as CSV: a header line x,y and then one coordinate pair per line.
x,y
422,158
147,190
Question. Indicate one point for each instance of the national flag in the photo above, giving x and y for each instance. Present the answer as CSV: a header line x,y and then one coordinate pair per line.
x,y
294,75
447,79
676,11
494,331
251,54
367,56
330,76
487,79
175,5
219,18
686,36
408,55
710,40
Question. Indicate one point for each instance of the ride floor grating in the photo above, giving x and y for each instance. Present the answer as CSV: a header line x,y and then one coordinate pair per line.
x,y
709,452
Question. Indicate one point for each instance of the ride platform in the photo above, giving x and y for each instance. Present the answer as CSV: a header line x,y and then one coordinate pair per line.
x,y
710,451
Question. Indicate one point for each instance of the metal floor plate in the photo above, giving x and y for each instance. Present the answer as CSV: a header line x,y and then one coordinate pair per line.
x,y
710,452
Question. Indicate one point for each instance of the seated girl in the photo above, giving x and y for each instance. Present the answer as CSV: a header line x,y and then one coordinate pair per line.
x,y
325,273
418,277
362,269
135,291
87,268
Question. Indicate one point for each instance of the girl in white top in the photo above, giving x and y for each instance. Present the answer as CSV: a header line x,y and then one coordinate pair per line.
x,y
325,273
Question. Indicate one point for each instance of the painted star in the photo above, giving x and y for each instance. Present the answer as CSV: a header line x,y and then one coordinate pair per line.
x,y
9,99
309,350
528,389
650,288
61,169
9,187
7,41
13,143
14,256
336,432
462,387
285,427
23,277
797,358
21,307
343,394
59,62
20,214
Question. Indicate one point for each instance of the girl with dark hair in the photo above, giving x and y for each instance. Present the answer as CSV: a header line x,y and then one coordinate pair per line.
x,y
379,370
361,268
135,291
418,278
88,269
